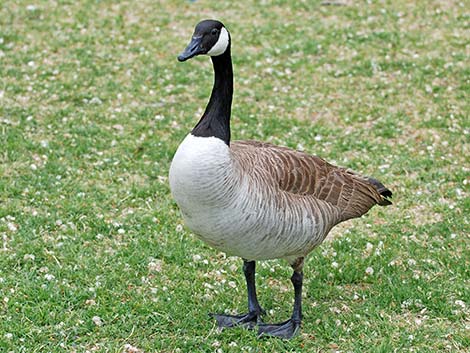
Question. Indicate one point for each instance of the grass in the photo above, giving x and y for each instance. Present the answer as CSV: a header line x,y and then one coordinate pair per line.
x,y
93,104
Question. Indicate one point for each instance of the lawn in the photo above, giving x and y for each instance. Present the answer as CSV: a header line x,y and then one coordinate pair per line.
x,y
93,104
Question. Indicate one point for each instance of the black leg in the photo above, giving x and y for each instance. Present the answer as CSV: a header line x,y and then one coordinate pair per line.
x,y
255,311
291,327
249,268
297,280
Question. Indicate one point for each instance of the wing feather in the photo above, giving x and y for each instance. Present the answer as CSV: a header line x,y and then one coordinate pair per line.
x,y
301,174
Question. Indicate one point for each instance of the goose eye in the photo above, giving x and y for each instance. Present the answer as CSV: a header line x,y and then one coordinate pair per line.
x,y
214,31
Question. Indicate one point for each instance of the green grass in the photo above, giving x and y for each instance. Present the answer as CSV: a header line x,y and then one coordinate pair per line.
x,y
93,104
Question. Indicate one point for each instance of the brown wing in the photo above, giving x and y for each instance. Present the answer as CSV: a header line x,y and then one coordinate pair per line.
x,y
302,174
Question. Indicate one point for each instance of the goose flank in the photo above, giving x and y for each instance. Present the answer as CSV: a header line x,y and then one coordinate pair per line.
x,y
256,200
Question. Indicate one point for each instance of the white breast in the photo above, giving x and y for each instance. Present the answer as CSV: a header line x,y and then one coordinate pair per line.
x,y
199,166
230,211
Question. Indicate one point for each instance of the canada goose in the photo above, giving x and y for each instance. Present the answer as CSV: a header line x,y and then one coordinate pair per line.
x,y
256,200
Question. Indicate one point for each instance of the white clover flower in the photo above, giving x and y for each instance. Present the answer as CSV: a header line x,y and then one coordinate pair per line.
x,y
27,257
12,227
97,321
95,100
162,179
49,277
155,266
128,348
90,302
369,271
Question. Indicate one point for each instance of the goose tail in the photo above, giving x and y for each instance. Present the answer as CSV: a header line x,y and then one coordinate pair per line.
x,y
382,190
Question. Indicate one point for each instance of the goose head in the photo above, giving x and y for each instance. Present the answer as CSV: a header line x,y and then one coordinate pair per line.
x,y
210,37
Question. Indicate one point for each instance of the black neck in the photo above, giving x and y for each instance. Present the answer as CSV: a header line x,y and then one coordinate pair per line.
x,y
216,119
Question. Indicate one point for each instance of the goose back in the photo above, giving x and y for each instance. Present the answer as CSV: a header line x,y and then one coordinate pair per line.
x,y
310,177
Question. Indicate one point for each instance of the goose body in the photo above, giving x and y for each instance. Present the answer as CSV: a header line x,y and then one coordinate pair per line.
x,y
256,200
243,214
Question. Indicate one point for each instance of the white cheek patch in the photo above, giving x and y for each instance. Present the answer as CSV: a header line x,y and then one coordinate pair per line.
x,y
221,45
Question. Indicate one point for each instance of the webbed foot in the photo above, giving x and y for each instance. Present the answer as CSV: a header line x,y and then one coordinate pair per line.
x,y
286,329
248,321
